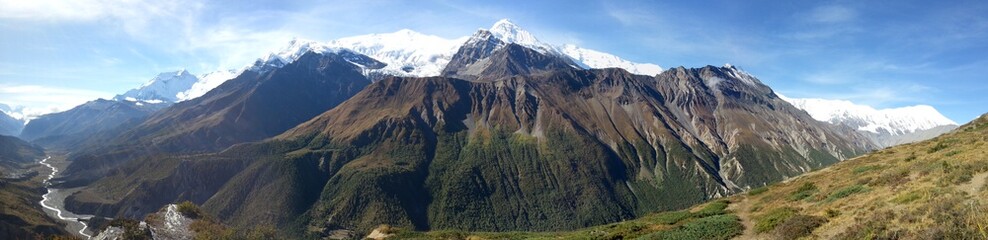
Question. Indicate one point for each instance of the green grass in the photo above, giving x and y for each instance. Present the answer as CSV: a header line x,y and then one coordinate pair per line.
x,y
803,192
714,208
669,218
951,153
757,191
712,221
713,227
770,220
846,191
907,197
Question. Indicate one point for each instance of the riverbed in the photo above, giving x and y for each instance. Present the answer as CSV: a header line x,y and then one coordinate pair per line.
x,y
53,203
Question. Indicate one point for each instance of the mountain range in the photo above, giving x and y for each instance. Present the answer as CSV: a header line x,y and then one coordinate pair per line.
x,y
496,131
886,127
514,135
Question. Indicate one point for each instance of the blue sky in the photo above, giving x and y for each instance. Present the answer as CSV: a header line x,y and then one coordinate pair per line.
x,y
55,54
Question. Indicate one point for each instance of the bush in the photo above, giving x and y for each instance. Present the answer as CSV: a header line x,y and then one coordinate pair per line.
x,y
190,210
770,220
132,229
205,230
669,218
798,226
756,191
876,226
951,153
907,197
892,178
804,191
713,227
957,174
938,147
714,208
846,191
832,213
911,157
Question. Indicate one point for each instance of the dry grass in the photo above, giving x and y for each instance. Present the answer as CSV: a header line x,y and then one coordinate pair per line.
x,y
922,190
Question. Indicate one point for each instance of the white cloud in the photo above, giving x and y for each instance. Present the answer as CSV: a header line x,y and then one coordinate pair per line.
x,y
38,100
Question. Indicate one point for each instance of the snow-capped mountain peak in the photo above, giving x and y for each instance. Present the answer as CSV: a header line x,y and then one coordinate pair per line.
x,y
738,73
596,59
508,32
164,87
894,121
406,52
295,49
207,82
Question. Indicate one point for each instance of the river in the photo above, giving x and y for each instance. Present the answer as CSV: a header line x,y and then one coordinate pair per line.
x,y
54,204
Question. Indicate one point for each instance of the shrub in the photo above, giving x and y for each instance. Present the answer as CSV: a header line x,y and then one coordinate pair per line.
x,y
907,197
892,178
938,147
951,153
911,157
846,191
756,191
874,227
798,226
804,191
190,210
832,213
713,227
957,174
206,230
132,229
770,220
669,218
714,208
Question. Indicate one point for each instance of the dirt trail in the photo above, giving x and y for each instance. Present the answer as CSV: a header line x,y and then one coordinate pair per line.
x,y
741,208
974,186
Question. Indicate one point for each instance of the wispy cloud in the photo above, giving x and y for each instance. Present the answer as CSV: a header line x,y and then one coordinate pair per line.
x,y
832,14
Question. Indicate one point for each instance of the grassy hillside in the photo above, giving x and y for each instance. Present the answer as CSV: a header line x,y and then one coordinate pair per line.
x,y
935,189
708,221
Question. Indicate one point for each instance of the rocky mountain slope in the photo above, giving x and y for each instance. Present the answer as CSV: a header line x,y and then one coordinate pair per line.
x,y
77,125
250,107
933,189
10,126
16,151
